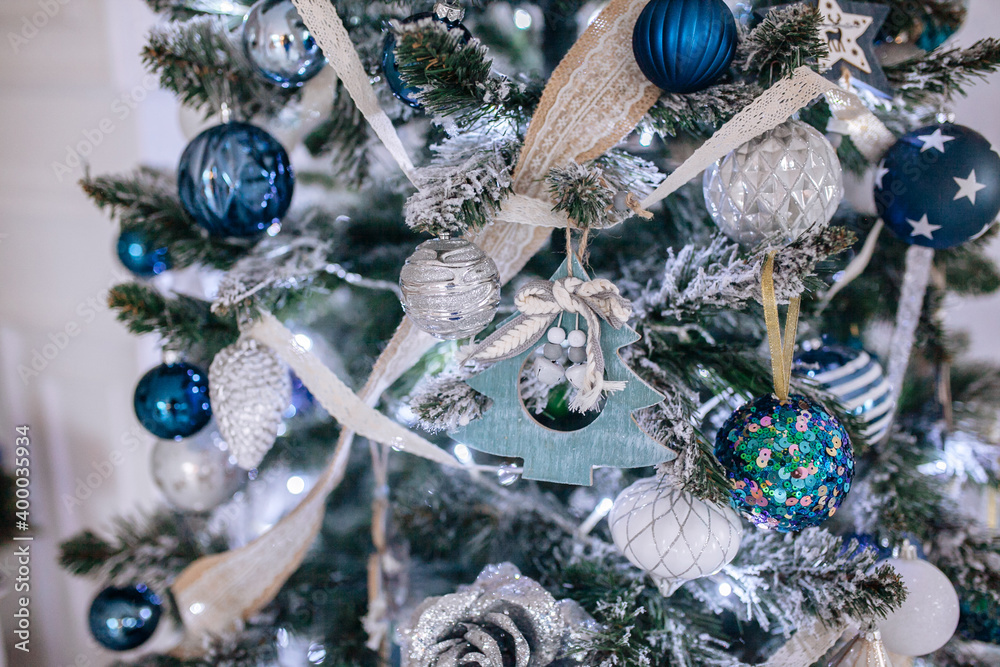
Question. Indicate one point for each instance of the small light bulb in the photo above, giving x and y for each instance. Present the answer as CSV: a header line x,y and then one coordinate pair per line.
x,y
462,453
522,19
646,138
725,590
295,485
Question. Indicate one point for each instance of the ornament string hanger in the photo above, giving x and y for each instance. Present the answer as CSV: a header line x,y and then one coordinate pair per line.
x,y
782,351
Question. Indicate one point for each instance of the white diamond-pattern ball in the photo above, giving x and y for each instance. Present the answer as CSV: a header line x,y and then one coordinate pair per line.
x,y
781,183
450,288
671,534
928,616
250,388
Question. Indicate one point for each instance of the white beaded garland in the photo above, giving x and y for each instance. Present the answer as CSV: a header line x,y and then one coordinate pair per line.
x,y
671,534
552,351
577,355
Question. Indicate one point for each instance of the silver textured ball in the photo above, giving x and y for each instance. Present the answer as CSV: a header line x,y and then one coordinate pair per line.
x,y
671,534
196,474
451,288
779,184
278,43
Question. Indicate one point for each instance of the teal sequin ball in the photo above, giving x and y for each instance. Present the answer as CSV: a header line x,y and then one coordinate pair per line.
x,y
789,462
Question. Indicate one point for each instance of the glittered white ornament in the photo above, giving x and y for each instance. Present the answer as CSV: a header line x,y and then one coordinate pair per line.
x,y
250,388
671,534
195,474
929,615
781,183
451,288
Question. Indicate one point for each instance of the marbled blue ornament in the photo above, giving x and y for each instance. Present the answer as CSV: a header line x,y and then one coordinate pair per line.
x,y
789,462
124,618
278,42
171,400
408,94
683,46
235,179
855,379
939,186
140,256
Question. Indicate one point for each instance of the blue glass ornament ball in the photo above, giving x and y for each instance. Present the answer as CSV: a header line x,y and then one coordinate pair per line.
x,y
939,186
124,618
278,43
139,256
790,462
235,179
683,46
171,400
408,94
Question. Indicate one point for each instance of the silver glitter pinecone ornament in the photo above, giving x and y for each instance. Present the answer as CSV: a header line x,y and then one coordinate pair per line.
x,y
451,288
503,618
779,184
671,534
195,474
250,388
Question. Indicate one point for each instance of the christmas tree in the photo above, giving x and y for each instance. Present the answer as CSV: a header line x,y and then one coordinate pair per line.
x,y
320,503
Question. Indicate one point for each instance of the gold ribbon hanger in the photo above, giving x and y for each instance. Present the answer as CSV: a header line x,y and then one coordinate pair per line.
x,y
781,351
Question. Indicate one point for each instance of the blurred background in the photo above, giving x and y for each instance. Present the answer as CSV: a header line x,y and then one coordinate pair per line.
x,y
73,96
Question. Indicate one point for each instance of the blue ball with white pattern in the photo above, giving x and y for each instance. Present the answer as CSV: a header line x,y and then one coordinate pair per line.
x,y
141,256
939,186
855,379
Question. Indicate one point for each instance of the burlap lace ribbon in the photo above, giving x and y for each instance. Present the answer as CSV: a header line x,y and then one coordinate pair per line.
x,y
539,303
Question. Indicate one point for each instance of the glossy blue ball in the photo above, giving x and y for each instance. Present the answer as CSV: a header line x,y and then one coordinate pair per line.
x,y
408,94
682,46
171,400
235,179
124,618
278,42
139,256
939,186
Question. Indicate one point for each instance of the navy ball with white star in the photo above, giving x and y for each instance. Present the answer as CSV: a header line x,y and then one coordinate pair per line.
x,y
939,186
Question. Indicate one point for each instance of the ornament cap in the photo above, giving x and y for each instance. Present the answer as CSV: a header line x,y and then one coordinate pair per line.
x,y
908,551
449,11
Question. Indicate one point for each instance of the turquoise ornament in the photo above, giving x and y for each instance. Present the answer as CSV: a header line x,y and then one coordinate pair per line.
x,y
683,46
790,462
123,618
566,457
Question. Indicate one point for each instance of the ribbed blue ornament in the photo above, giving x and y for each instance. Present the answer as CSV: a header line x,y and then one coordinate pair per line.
x,y
171,400
682,46
855,379
235,179
139,256
124,618
408,94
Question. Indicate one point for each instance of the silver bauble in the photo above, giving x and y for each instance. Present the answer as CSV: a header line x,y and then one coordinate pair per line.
x,y
278,43
779,184
196,474
451,288
250,389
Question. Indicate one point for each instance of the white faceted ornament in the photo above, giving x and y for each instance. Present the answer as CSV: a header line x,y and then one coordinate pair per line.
x,y
671,534
450,288
250,388
781,183
195,474
929,615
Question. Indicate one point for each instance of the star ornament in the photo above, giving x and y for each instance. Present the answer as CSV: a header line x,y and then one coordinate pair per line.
x,y
968,187
849,30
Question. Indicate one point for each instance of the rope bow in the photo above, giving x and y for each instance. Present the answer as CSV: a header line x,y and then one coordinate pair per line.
x,y
539,303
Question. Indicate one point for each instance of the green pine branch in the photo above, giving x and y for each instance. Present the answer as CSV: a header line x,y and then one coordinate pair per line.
x,y
147,201
184,322
582,193
943,74
701,113
786,38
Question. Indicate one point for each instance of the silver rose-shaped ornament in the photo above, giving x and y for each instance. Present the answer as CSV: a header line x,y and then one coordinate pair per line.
x,y
503,618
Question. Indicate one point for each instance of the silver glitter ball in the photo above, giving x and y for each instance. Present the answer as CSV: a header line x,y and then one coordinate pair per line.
x,y
451,288
278,43
195,474
779,184
250,389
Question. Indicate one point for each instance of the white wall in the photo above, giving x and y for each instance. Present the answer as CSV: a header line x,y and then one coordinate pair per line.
x,y
81,73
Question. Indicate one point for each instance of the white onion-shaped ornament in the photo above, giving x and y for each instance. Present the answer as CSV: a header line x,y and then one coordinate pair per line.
x,y
195,474
450,288
671,534
250,388
865,650
929,615
781,183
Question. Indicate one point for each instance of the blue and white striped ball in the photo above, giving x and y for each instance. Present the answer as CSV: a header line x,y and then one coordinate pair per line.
x,y
855,379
